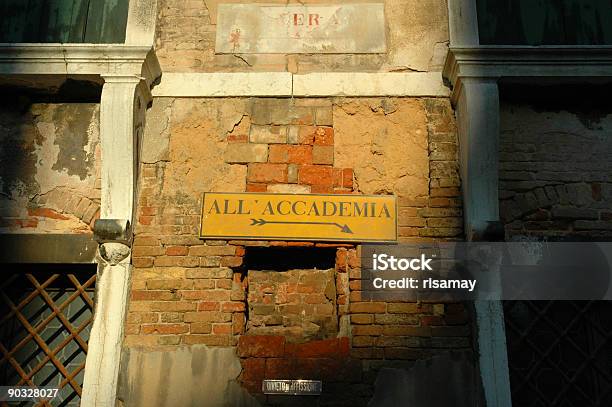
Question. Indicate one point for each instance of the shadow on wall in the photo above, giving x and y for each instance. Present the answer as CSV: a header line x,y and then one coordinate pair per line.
x,y
188,376
444,380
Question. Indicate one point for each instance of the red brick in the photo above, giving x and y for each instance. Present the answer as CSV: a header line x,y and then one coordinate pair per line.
x,y
367,353
139,251
279,153
300,154
201,328
347,178
183,261
324,348
145,220
344,347
261,346
406,330
222,329
231,261
299,244
316,298
234,306
323,155
368,307
307,368
177,250
141,295
148,210
208,316
212,250
250,187
46,213
429,320
238,323
142,317
146,241
324,136
165,329
132,329
316,175
265,172
253,370
341,264
224,284
209,295
305,118
409,308
321,189
367,330
142,262
306,135
445,192
169,306
277,368
209,306
202,283
363,341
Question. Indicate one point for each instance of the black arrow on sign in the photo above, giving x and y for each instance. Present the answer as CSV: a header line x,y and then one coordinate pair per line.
x,y
260,222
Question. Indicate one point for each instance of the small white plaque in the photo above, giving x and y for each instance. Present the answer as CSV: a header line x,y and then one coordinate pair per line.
x,y
265,29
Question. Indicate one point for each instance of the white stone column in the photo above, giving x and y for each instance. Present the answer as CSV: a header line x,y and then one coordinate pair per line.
x,y
477,109
121,117
142,15
463,23
478,125
122,106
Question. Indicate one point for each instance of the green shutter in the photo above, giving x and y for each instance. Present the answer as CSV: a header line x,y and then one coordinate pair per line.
x,y
545,22
72,21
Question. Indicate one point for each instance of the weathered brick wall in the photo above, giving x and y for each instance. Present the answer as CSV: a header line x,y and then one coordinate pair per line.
x,y
49,166
417,39
297,304
555,173
189,291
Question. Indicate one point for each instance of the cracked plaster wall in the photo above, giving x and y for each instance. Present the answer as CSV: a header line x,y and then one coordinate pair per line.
x,y
49,167
417,40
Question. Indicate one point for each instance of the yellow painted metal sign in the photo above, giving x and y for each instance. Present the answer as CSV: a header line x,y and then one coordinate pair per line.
x,y
261,216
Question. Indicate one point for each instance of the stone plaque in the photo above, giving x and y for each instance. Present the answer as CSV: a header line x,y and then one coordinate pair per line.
x,y
292,387
321,217
308,29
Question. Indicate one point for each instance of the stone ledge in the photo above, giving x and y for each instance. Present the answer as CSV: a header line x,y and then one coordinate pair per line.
x,y
222,84
569,63
285,84
79,59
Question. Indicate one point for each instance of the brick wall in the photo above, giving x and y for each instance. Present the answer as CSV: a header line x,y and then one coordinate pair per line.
x,y
297,304
189,291
555,176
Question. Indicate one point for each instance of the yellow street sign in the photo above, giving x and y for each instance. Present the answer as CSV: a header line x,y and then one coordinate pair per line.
x,y
262,216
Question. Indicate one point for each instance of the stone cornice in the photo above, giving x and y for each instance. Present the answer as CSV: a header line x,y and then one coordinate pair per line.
x,y
494,62
79,59
286,84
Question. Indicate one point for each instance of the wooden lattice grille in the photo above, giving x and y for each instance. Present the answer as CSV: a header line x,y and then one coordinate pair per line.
x,y
45,319
560,353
